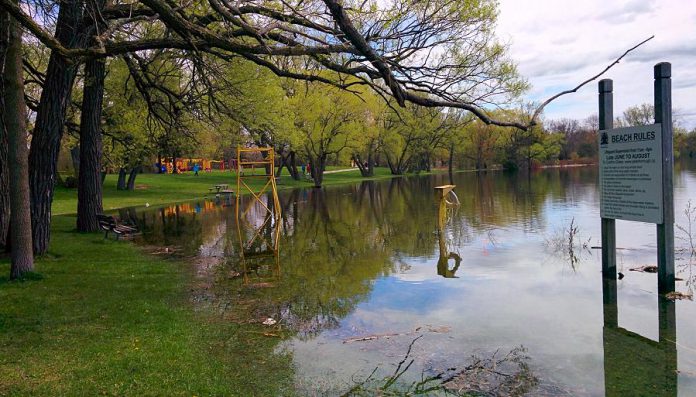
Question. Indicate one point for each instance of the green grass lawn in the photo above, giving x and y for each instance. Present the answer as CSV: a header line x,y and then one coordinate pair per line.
x,y
157,189
102,317
105,319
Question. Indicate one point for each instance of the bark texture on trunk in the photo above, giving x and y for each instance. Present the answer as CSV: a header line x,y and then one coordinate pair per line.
x,y
450,164
50,118
318,165
89,186
4,170
131,178
14,118
366,168
288,161
121,183
75,157
292,166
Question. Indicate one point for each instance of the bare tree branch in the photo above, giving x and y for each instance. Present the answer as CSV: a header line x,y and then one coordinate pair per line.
x,y
541,107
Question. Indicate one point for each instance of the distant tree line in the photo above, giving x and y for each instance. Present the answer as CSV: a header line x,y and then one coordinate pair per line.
x,y
117,84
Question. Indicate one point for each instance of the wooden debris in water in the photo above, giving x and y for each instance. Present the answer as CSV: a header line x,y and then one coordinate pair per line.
x,y
421,329
645,269
674,295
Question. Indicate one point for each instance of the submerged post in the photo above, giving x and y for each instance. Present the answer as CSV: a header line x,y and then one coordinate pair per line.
x,y
606,122
665,230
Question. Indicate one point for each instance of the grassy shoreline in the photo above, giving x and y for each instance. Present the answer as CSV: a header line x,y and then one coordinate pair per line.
x,y
159,189
104,317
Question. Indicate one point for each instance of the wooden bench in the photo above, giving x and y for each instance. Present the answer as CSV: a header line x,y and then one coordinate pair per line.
x,y
109,224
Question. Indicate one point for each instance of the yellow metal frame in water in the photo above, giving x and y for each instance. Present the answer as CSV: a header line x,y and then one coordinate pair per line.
x,y
272,210
446,212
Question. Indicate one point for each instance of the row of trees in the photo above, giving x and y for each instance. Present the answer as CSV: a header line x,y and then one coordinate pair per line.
x,y
125,80
580,136
184,65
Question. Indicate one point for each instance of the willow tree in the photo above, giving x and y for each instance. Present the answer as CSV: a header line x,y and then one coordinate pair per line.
x,y
327,119
440,53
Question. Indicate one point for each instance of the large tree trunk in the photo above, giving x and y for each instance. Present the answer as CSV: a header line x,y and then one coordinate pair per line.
x,y
50,119
318,166
14,121
367,169
4,170
121,183
131,178
75,157
289,163
293,166
283,163
450,164
89,186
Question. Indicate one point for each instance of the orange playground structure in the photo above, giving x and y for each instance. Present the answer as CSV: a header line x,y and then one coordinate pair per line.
x,y
184,165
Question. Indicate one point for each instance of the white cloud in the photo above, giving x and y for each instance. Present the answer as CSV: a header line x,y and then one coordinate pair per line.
x,y
558,44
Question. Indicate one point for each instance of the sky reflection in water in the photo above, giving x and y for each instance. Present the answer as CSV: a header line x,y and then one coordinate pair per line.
x,y
362,260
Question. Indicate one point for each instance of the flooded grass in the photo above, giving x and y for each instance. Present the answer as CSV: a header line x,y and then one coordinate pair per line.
x,y
357,303
158,189
107,319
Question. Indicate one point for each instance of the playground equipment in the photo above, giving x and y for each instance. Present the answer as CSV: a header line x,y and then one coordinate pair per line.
x,y
258,216
184,165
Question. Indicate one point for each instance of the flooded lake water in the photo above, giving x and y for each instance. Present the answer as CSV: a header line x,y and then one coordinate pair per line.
x,y
362,271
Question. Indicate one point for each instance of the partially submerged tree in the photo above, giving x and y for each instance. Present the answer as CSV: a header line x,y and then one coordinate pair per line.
x,y
435,54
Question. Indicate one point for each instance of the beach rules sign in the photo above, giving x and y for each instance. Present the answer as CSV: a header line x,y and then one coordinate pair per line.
x,y
630,173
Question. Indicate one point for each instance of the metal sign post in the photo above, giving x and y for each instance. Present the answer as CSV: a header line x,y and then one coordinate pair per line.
x,y
665,230
606,122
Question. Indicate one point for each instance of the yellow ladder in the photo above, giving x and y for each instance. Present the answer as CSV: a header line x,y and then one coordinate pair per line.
x,y
267,243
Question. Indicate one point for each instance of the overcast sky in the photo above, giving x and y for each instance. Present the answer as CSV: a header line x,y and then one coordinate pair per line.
x,y
559,43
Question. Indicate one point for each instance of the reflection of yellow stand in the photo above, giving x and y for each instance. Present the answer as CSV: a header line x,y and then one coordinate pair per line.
x,y
444,207
258,243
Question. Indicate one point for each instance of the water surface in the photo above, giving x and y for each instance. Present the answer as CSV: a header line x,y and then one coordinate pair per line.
x,y
372,261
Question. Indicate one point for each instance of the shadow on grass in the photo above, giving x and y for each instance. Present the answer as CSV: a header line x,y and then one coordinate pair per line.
x,y
29,276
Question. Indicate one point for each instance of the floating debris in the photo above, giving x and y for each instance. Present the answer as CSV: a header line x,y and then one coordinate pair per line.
x,y
421,329
674,295
645,269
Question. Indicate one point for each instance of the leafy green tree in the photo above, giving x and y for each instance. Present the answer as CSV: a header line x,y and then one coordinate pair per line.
x,y
327,119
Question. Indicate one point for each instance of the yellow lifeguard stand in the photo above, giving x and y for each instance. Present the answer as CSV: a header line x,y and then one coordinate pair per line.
x,y
258,237
446,211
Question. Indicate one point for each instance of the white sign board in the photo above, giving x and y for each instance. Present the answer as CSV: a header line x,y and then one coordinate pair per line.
x,y
630,173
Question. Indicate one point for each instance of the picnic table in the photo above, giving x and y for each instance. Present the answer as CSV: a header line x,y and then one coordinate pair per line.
x,y
219,187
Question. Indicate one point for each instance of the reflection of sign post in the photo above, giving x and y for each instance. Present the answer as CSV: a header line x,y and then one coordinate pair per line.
x,y
636,166
630,173
635,365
